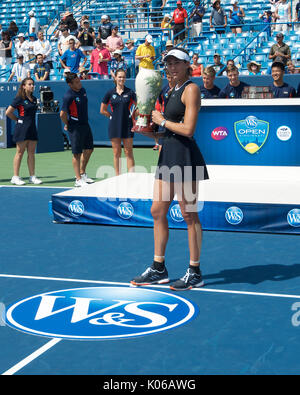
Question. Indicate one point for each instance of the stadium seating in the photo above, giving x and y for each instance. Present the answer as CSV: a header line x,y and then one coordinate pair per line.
x,y
252,44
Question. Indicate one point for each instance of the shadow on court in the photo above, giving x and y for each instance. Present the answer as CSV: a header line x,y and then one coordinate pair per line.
x,y
254,274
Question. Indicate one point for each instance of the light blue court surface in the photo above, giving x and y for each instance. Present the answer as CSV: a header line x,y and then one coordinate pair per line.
x,y
247,320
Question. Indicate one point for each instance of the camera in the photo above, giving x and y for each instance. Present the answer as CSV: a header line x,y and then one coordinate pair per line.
x,y
47,102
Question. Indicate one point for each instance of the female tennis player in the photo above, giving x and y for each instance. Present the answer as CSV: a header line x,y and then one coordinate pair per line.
x,y
180,168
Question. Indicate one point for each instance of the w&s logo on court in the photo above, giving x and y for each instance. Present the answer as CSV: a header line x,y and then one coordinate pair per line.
x,y
76,208
100,313
251,133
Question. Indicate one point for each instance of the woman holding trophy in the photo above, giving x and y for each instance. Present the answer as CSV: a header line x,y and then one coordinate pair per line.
x,y
121,100
180,168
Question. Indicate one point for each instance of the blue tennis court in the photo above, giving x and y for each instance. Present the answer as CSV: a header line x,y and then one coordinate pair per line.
x,y
247,319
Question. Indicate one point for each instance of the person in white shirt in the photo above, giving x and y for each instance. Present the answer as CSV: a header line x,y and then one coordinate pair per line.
x,y
283,16
33,23
63,42
20,70
43,47
21,46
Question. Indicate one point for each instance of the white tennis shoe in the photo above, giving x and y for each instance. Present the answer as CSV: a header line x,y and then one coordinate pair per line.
x,y
16,180
34,180
86,179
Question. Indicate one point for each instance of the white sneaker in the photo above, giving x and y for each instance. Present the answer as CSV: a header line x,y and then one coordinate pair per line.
x,y
16,180
35,180
80,183
85,178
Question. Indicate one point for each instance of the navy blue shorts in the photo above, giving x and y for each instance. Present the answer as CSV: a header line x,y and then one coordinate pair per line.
x,y
81,138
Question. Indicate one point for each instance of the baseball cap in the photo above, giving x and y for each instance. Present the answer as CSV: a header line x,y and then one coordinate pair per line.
x,y
149,38
279,35
178,55
217,54
104,17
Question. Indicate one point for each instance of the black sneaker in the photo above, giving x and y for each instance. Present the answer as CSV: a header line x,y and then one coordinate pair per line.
x,y
151,276
188,281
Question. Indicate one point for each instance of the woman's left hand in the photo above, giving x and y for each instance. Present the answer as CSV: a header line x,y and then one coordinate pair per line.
x,y
157,117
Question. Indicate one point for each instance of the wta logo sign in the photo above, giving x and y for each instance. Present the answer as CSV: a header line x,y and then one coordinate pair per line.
x,y
219,133
100,313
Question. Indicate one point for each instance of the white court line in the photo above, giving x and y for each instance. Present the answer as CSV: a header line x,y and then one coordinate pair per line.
x,y
33,186
204,289
31,357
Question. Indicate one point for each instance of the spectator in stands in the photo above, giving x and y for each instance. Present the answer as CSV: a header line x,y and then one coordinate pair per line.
x,y
218,18
84,74
20,70
41,70
280,88
291,69
30,49
283,15
100,57
280,49
21,46
298,90
236,15
209,90
156,11
33,23
105,28
42,46
234,89
254,68
297,16
63,42
129,45
196,17
114,41
180,18
130,15
117,63
266,17
197,68
165,23
86,36
13,29
70,60
145,53
6,49
218,66
71,23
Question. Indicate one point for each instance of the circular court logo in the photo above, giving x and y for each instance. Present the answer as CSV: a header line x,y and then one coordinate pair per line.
x,y
234,215
100,313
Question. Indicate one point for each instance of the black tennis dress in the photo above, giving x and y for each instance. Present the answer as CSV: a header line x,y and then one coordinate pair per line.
x,y
25,128
180,154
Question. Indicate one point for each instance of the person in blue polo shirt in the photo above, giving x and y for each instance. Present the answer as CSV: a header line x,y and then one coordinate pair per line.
x,y
121,101
209,90
71,58
280,88
234,89
74,114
